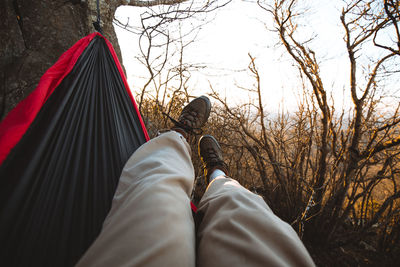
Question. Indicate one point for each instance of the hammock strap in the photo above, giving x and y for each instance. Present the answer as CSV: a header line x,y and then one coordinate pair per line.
x,y
97,24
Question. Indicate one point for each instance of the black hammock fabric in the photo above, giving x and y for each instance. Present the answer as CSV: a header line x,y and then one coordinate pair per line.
x,y
58,181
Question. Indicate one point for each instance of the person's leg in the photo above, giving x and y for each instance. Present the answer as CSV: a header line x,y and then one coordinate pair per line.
x,y
150,222
237,228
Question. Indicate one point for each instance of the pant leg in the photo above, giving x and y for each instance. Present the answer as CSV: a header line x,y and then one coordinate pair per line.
x,y
237,228
150,222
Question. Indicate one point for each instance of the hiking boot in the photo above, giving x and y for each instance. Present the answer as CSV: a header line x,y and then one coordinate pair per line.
x,y
211,155
193,116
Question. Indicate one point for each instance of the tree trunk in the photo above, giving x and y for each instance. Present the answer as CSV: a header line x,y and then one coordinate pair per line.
x,y
34,34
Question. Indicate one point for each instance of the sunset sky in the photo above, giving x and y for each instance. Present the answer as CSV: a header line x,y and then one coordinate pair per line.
x,y
241,28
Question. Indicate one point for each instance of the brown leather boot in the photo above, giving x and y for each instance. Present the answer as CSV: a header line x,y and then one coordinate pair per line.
x,y
211,155
193,116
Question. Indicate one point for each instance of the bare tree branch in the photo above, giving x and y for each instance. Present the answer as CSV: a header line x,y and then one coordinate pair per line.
x,y
150,3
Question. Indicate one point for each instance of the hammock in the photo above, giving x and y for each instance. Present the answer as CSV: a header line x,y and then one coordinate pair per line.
x,y
62,150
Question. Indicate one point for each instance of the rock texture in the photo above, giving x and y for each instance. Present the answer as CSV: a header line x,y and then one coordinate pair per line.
x,y
34,33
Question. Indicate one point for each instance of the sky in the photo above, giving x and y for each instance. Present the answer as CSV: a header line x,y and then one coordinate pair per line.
x,y
235,31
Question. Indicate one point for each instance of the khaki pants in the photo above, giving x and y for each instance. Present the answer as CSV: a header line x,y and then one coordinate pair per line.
x,y
151,223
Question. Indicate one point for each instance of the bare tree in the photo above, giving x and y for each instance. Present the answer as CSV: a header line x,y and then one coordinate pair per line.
x,y
164,35
348,155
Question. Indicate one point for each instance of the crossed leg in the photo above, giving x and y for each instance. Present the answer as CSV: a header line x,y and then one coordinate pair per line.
x,y
150,222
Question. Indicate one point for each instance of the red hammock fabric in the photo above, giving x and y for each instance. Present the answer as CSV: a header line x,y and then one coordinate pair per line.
x,y
18,120
62,150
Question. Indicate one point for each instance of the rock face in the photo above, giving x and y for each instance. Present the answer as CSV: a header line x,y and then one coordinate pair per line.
x,y
34,33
